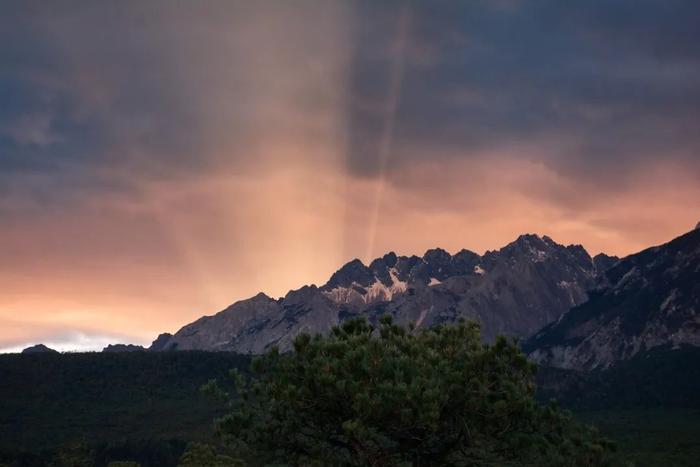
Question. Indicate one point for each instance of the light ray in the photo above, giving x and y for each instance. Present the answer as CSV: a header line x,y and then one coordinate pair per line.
x,y
387,137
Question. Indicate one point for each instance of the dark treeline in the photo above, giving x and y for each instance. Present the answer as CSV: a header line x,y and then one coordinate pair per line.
x,y
139,406
664,377
147,407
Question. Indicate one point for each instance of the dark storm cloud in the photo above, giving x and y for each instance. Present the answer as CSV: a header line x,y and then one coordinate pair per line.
x,y
159,159
600,85
84,91
150,88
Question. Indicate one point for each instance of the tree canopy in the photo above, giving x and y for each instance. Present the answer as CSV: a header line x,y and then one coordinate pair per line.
x,y
395,396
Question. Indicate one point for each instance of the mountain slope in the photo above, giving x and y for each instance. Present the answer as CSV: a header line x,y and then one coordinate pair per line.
x,y
661,377
647,300
515,290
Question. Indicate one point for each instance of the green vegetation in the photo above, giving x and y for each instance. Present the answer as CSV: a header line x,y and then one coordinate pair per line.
x,y
389,397
205,455
147,409
662,377
138,406
651,437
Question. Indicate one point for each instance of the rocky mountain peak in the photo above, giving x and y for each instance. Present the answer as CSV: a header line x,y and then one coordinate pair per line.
x,y
382,268
466,262
531,239
353,272
262,297
161,342
437,256
405,265
387,261
697,227
603,262
465,254
530,242
301,295
437,264
528,246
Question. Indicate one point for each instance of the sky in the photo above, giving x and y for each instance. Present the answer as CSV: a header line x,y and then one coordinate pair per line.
x,y
160,160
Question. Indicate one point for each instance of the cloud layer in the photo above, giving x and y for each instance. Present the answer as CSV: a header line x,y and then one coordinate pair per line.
x,y
159,161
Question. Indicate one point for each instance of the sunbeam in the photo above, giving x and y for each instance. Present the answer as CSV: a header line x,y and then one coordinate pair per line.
x,y
386,140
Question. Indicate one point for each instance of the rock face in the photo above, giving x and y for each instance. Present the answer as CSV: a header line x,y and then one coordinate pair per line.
x,y
39,348
161,342
122,348
515,290
648,300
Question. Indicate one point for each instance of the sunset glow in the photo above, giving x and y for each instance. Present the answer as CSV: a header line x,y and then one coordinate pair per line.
x,y
159,162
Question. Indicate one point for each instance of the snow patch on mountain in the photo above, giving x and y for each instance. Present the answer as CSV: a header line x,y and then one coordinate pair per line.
x,y
342,294
376,292
538,256
398,286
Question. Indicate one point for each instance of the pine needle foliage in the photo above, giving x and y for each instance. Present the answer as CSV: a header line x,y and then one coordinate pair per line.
x,y
395,396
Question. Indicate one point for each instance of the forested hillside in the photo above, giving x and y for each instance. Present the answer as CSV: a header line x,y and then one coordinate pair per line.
x,y
147,406
140,406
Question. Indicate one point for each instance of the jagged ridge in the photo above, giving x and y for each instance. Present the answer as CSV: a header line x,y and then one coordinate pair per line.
x,y
515,290
647,300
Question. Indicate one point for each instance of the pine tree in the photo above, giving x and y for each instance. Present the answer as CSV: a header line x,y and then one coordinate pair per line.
x,y
391,396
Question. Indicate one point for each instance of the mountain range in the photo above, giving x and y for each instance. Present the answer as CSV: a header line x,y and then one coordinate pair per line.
x,y
514,291
571,310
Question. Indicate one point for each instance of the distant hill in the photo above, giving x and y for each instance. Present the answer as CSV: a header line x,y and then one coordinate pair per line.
x,y
117,348
38,348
